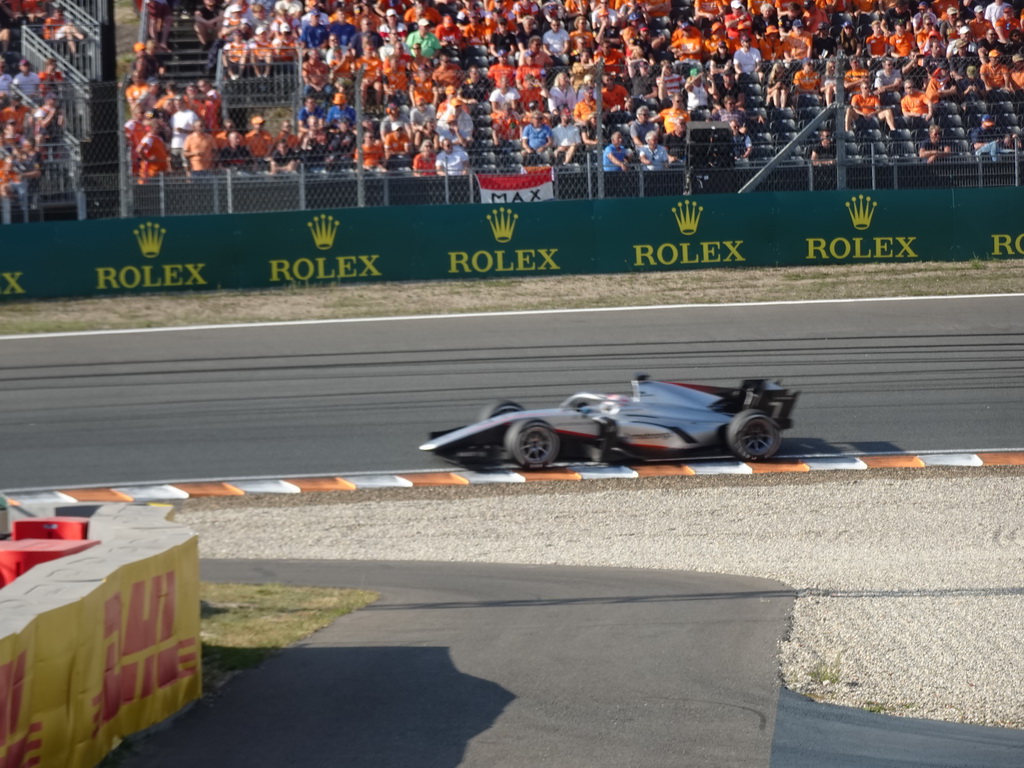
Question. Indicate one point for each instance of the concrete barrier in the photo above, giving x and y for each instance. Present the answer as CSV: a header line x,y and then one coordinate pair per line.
x,y
102,644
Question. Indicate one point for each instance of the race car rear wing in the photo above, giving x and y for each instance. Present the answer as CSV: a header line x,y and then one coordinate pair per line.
x,y
769,397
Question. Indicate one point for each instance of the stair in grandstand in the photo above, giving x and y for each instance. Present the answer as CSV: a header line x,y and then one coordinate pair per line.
x,y
187,61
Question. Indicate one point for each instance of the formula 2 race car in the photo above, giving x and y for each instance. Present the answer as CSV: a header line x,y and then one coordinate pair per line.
x,y
662,420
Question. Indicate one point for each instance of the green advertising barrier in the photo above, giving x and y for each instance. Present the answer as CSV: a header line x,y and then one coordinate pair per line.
x,y
471,241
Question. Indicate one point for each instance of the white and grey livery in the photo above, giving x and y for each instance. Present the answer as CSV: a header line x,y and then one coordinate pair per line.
x,y
661,421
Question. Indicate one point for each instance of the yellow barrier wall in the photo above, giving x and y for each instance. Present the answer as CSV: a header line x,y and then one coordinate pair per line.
x,y
97,646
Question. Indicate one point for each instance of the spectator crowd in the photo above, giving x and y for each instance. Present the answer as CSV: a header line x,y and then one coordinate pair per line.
x,y
31,127
502,84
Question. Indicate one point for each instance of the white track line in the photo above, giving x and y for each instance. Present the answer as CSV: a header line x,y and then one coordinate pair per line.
x,y
517,313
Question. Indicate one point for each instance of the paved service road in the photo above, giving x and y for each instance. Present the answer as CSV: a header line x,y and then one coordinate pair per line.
x,y
484,665
228,403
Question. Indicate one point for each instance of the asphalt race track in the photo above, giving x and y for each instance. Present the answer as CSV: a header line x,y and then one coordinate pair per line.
x,y
877,376
682,663
464,664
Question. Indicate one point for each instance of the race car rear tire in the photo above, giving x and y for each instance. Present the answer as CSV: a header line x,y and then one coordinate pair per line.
x,y
497,408
753,436
532,444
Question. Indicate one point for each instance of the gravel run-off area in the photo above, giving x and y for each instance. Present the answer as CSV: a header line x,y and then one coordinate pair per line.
x,y
910,583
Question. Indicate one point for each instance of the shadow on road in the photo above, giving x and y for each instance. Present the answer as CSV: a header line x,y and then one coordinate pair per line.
x,y
413,708
812,735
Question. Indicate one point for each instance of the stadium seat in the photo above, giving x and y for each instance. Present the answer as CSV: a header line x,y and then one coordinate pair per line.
x,y
876,150
808,113
962,147
757,115
903,150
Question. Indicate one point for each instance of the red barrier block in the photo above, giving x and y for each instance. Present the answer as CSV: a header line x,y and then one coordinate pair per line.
x,y
16,557
69,528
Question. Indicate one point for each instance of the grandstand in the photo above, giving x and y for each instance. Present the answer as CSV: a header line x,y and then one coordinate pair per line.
x,y
343,104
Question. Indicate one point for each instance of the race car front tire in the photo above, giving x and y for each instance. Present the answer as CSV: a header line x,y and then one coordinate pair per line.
x,y
753,436
532,444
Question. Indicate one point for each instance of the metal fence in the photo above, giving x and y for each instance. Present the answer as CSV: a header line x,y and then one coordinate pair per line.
x,y
775,146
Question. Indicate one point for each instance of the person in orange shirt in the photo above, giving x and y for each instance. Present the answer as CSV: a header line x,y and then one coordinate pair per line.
x,y
806,83
916,110
221,137
397,147
152,153
877,43
134,132
372,150
286,48
940,86
373,80
865,110
676,113
1016,75
136,90
448,33
979,25
771,46
1005,23
50,77
928,32
586,107
422,10
614,59
474,31
995,76
235,55
581,38
505,127
707,12
902,41
316,75
425,160
614,97
717,37
687,42
287,135
797,44
259,141
856,74
261,52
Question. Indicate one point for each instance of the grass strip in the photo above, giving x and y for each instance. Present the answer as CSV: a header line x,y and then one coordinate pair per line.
x,y
244,624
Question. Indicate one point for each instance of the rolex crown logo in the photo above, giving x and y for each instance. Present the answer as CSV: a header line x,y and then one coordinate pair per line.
x,y
323,229
503,223
150,237
687,215
861,209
